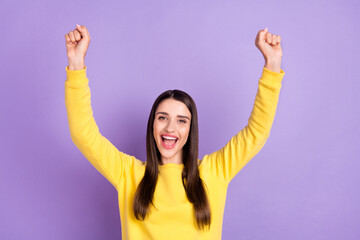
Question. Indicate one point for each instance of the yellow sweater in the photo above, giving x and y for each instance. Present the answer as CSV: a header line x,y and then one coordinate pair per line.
x,y
174,217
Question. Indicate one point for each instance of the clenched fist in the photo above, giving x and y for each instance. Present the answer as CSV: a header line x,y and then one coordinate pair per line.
x,y
77,43
269,46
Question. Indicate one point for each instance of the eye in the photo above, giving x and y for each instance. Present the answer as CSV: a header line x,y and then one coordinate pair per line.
x,y
161,117
182,121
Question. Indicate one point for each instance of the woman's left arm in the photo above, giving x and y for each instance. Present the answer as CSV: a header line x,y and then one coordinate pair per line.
x,y
229,160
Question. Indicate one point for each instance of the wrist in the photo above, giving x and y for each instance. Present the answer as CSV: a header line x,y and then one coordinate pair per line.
x,y
273,65
76,64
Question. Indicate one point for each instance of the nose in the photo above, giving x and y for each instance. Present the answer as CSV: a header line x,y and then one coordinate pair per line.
x,y
170,127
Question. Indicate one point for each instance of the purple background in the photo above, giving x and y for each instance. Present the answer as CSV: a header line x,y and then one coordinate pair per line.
x,y
303,184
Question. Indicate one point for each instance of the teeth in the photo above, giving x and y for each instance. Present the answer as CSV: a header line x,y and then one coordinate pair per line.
x,y
171,138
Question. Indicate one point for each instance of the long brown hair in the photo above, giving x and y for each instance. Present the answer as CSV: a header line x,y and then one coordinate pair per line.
x,y
193,184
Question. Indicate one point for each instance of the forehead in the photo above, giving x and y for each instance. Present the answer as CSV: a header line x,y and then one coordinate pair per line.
x,y
173,107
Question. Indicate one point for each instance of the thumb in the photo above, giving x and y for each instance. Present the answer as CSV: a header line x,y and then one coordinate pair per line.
x,y
262,35
83,31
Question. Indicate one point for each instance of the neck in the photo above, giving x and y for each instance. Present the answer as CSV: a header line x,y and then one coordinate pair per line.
x,y
177,159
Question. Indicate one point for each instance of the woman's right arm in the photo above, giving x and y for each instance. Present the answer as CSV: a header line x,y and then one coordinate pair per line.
x,y
84,132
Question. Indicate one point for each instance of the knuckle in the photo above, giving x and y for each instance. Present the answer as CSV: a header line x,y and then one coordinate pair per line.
x,y
77,34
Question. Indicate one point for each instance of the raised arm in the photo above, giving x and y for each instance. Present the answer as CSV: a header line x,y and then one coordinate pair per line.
x,y
84,132
229,160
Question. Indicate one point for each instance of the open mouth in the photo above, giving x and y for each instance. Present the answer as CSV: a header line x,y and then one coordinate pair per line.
x,y
168,142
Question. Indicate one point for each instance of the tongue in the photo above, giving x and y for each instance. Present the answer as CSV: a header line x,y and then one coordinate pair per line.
x,y
169,142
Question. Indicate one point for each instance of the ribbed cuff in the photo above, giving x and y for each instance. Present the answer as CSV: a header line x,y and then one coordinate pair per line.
x,y
76,76
273,78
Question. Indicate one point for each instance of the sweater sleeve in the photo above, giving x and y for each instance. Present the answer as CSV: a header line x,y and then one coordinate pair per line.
x,y
229,160
84,132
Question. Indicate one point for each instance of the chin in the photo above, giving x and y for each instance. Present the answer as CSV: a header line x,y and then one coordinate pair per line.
x,y
167,153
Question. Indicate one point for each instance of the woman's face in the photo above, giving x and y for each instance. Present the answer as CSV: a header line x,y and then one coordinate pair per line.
x,y
171,129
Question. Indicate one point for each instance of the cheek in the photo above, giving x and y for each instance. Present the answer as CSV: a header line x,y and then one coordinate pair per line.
x,y
186,133
155,131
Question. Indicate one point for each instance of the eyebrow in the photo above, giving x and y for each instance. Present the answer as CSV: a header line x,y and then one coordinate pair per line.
x,y
181,116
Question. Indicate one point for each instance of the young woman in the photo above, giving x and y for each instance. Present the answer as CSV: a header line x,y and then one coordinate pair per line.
x,y
173,195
